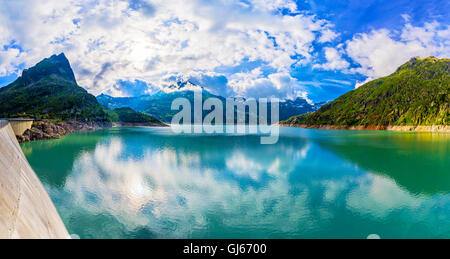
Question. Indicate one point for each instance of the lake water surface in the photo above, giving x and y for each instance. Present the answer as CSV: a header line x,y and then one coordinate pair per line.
x,y
152,183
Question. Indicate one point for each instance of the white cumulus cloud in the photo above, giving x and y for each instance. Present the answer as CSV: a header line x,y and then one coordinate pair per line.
x,y
276,85
379,53
334,60
111,40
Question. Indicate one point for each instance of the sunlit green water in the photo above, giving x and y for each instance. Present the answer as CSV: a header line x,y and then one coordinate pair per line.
x,y
151,183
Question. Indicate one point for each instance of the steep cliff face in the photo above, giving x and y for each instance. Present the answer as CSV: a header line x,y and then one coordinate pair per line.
x,y
26,210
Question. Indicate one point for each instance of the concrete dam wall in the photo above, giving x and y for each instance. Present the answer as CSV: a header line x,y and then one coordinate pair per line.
x,y
19,126
26,210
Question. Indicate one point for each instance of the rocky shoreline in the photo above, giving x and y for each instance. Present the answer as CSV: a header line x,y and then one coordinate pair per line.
x,y
42,130
436,128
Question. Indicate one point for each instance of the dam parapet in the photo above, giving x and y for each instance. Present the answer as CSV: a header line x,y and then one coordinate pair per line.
x,y
19,125
26,210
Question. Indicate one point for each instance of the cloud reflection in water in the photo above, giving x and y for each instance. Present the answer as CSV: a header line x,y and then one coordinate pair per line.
x,y
197,190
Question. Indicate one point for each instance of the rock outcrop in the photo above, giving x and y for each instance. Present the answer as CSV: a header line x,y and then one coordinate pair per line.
x,y
42,130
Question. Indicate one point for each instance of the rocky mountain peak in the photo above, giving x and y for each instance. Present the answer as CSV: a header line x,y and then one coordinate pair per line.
x,y
56,65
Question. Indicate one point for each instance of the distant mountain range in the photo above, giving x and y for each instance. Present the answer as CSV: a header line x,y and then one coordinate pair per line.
x,y
159,104
49,91
417,94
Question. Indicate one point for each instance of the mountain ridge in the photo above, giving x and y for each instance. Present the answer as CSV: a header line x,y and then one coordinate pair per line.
x,y
56,65
159,105
49,91
417,94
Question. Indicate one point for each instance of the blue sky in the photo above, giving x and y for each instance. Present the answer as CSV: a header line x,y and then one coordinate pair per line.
x,y
253,48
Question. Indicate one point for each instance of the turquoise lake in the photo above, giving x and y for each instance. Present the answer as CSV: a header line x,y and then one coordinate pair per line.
x,y
153,183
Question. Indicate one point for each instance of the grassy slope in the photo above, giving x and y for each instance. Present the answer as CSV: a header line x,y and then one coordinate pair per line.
x,y
418,93
128,115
